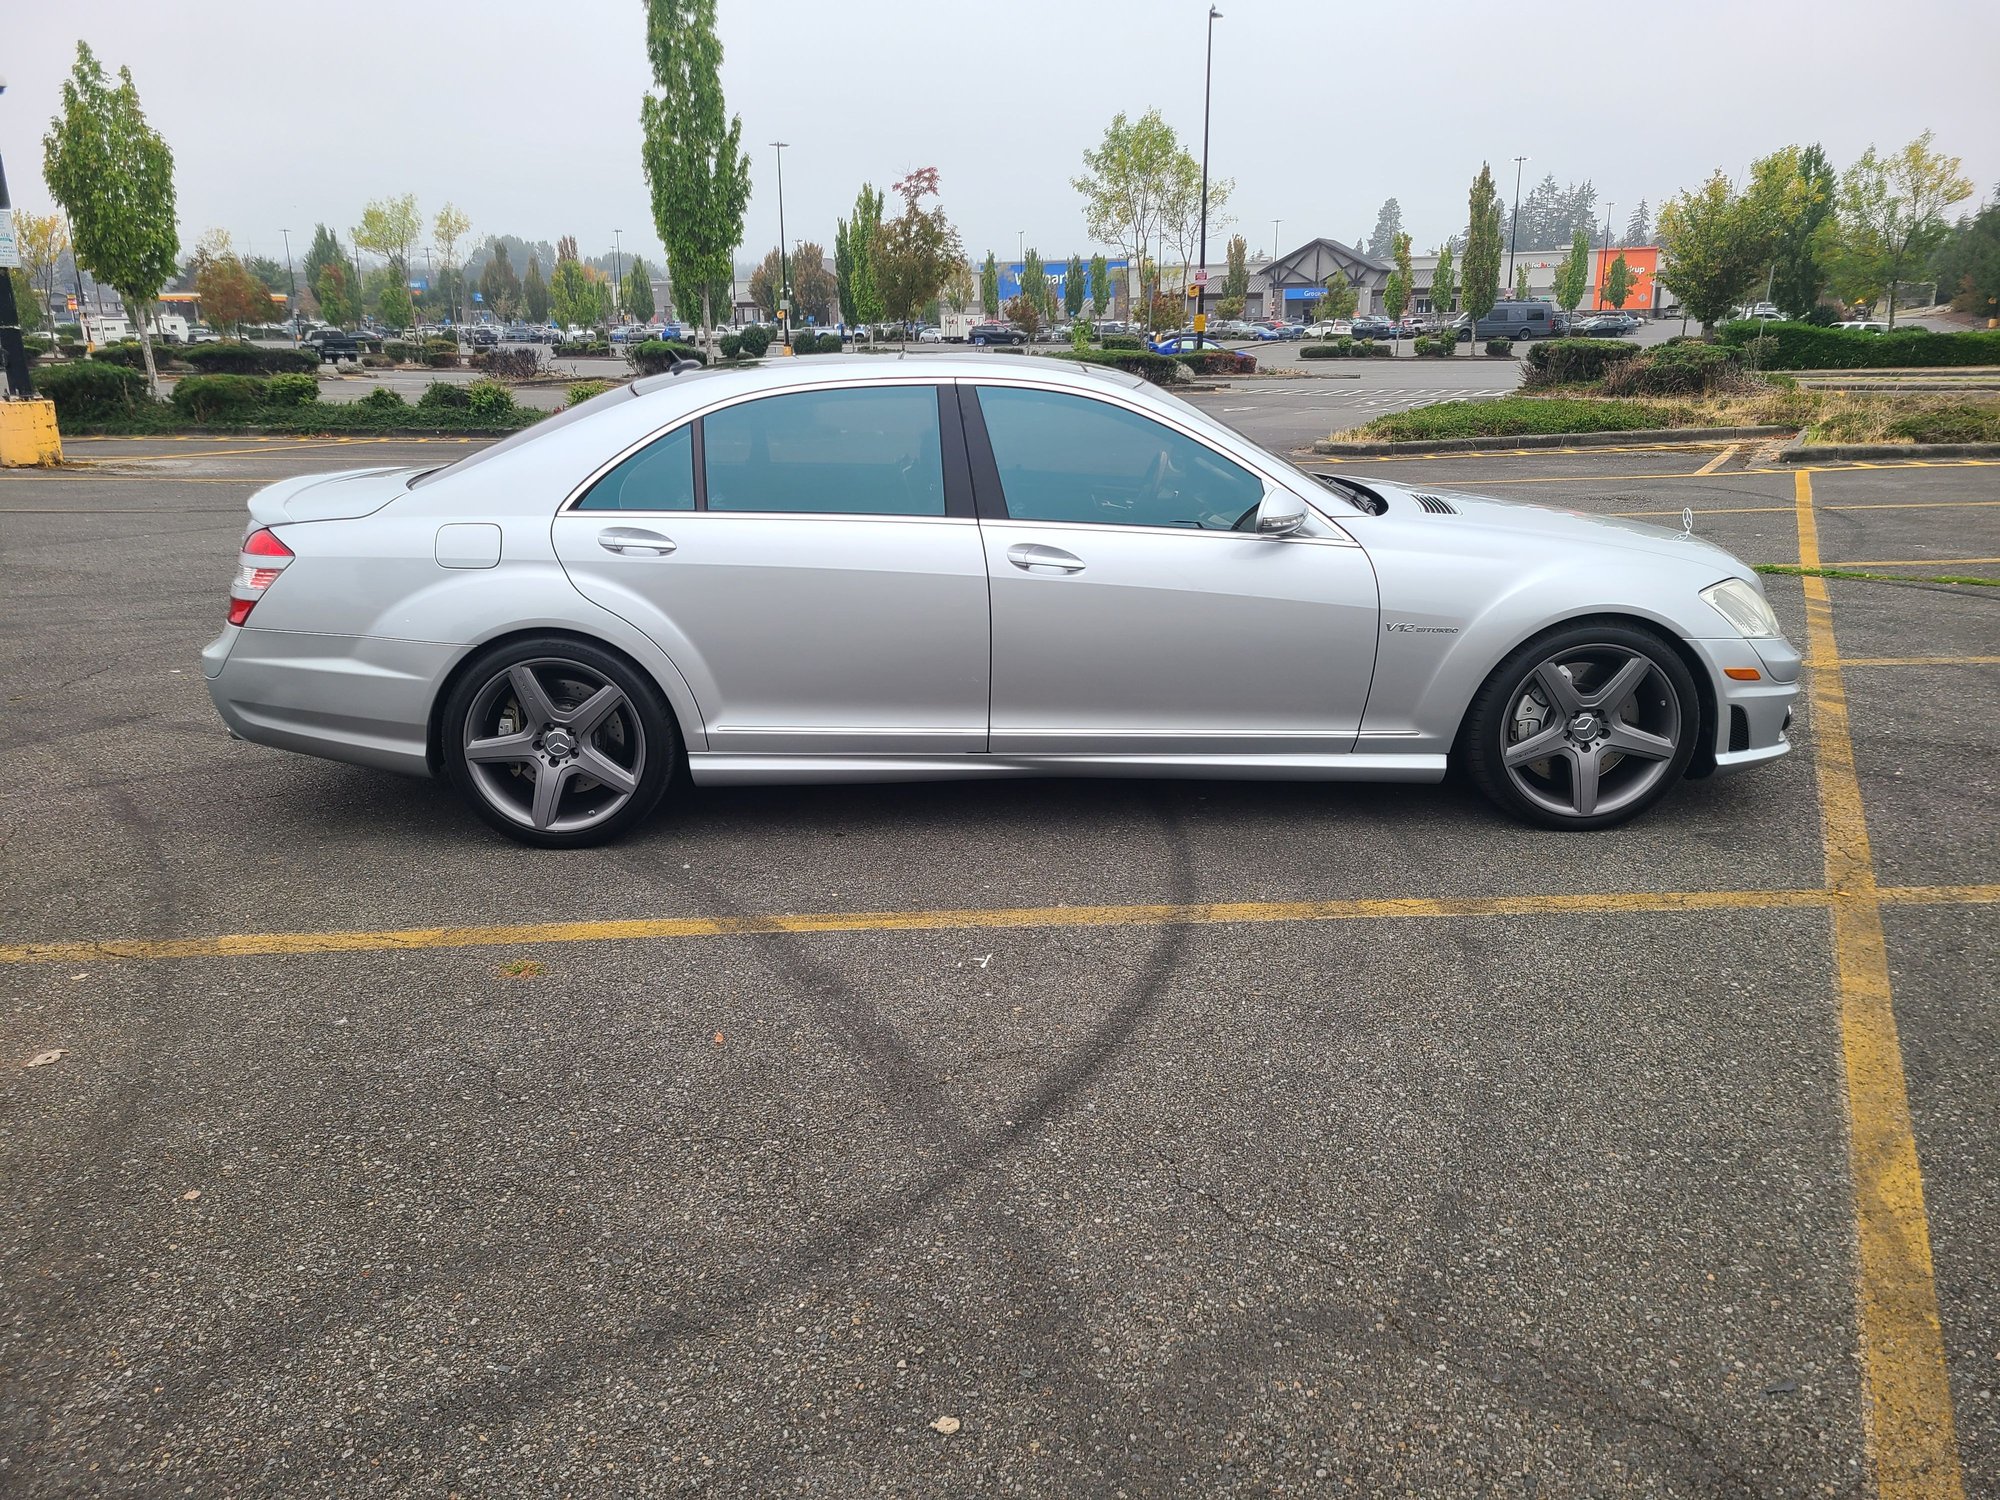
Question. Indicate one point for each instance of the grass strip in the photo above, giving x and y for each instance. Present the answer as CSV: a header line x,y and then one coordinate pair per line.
x,y
1793,570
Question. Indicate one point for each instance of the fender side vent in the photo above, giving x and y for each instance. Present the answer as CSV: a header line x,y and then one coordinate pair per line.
x,y
1433,504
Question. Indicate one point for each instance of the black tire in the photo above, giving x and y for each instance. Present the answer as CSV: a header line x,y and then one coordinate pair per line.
x,y
1485,736
658,736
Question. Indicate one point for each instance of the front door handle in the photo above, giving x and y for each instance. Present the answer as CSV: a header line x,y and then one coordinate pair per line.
x,y
634,539
1032,557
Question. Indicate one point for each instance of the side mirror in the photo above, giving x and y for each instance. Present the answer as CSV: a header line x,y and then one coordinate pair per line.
x,y
1280,513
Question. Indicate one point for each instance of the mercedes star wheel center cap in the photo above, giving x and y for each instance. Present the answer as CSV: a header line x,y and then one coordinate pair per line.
x,y
1584,726
559,742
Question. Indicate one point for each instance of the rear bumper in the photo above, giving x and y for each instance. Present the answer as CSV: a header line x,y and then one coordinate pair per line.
x,y
362,699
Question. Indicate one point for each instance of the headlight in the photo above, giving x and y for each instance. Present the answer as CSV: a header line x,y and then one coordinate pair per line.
x,y
1743,605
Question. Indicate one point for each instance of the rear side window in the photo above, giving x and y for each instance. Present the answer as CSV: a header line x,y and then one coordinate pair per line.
x,y
846,452
660,476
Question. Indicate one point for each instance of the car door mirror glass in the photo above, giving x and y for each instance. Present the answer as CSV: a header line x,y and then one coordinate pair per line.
x,y
1280,513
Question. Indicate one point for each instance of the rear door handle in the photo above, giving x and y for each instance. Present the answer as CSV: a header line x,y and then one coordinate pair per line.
x,y
634,539
1032,557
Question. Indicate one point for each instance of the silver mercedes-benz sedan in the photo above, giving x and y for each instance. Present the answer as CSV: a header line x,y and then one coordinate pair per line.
x,y
865,570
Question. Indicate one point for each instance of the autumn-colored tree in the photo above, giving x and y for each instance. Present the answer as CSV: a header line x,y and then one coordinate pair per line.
x,y
230,296
916,252
43,242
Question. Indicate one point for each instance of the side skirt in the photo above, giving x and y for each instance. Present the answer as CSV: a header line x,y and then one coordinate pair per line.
x,y
739,768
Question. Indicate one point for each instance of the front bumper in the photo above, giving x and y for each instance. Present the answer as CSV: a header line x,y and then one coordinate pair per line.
x,y
1752,718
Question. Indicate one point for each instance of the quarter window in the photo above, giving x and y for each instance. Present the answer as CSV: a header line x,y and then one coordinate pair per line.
x,y
852,452
660,476
1069,458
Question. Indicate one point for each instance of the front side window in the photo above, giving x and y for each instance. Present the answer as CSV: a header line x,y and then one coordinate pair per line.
x,y
1069,458
843,452
660,476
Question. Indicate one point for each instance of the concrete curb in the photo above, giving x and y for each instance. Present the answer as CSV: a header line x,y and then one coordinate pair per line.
x,y
1803,453
1558,440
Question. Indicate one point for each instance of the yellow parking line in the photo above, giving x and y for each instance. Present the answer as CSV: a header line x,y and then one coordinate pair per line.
x,y
1916,661
1908,1413
1937,895
255,944
1718,461
268,944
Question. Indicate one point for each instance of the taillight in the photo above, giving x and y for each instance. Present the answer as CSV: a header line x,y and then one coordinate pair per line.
x,y
263,558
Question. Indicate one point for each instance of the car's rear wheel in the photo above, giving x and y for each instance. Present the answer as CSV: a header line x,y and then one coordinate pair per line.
x,y
558,742
1584,726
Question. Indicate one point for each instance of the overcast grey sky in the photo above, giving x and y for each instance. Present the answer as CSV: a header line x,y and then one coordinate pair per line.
x,y
526,114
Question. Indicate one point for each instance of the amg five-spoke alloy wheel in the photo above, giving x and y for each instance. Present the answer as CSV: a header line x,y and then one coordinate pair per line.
x,y
558,742
1584,726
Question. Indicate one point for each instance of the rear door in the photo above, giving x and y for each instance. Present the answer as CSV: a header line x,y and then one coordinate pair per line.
x,y
810,562
1132,615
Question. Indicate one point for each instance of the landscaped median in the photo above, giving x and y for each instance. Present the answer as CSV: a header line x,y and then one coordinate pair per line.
x,y
93,397
1580,390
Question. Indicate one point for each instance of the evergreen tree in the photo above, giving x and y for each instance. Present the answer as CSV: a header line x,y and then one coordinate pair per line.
x,y
1073,287
1100,285
1388,224
638,291
1639,228
989,286
1482,246
534,291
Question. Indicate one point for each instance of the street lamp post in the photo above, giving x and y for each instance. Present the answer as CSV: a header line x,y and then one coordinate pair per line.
x,y
618,274
1207,84
1514,225
784,271
1601,255
292,280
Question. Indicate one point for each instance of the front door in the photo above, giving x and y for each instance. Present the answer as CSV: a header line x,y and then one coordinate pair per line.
x,y
1132,612
796,557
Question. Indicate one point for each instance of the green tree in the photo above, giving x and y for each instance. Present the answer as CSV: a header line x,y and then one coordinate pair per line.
x,y
1444,294
389,227
638,291
1396,295
693,154
1967,264
1520,283
44,241
392,300
767,284
916,252
860,299
1340,301
989,286
813,289
1236,275
1073,288
115,176
571,301
1804,235
534,292
843,272
334,289
1715,243
1035,284
447,229
1573,275
1388,224
499,287
1617,282
323,252
1128,181
1482,247
1892,216
1100,285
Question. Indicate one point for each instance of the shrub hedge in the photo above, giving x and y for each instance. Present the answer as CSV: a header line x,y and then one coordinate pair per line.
x,y
1500,346
805,341
1677,370
506,364
1161,369
582,350
657,356
581,391
1346,348
1516,416
444,395
755,340
249,359
1114,341
1803,346
1961,423
86,391
204,398
731,345
292,390
129,354
488,398
1214,362
1575,361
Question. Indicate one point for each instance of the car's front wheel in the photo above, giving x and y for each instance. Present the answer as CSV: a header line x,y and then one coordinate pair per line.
x,y
1583,727
558,742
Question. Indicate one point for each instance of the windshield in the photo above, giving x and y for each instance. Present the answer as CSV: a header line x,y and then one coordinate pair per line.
x,y
547,424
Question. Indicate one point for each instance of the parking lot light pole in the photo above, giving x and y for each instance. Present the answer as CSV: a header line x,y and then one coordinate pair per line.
x,y
1207,84
1514,224
1601,255
292,280
784,273
618,274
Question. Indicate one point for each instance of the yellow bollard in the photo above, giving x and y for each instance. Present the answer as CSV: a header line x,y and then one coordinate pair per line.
x,y
28,436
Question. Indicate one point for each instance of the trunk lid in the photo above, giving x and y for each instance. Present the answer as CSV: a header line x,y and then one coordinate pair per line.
x,y
340,496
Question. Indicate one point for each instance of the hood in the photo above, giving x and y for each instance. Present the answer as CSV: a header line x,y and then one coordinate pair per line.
x,y
328,497
1567,526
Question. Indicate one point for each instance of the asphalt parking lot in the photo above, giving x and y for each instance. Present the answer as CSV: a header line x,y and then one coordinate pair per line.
x,y
1012,1138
